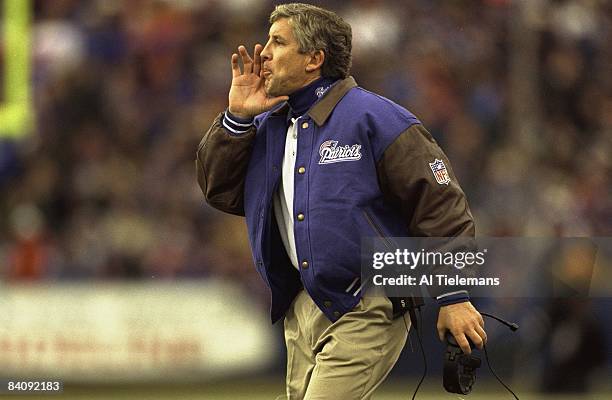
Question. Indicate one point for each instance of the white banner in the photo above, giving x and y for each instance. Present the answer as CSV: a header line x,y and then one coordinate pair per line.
x,y
126,332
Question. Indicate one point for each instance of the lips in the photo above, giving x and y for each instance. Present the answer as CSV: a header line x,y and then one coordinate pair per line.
x,y
267,73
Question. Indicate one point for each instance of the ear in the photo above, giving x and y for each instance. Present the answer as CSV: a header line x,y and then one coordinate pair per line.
x,y
316,61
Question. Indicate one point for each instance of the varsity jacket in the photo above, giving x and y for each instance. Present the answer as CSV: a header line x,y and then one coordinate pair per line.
x,y
362,169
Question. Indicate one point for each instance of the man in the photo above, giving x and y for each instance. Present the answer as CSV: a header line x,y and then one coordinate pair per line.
x,y
314,163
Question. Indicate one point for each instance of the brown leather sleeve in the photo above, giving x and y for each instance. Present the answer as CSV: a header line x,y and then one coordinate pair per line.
x,y
221,164
430,209
407,182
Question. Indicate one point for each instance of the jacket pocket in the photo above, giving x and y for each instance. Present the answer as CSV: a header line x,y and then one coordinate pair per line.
x,y
377,228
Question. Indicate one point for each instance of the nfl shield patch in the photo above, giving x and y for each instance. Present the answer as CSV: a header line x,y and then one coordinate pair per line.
x,y
440,172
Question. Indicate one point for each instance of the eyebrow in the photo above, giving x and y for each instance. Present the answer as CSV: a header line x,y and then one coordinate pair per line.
x,y
277,37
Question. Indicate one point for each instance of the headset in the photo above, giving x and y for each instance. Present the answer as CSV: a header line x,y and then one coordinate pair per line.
x,y
459,368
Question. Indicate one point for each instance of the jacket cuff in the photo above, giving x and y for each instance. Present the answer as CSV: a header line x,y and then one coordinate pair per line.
x,y
236,126
459,296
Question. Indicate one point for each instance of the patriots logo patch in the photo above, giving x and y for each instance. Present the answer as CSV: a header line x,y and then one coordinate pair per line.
x,y
331,152
440,172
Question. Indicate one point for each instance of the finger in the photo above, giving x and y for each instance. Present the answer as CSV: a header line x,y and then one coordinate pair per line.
x,y
480,320
257,59
246,59
475,338
235,67
463,343
441,333
481,332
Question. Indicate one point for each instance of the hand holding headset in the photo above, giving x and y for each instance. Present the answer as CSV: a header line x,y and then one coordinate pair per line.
x,y
460,369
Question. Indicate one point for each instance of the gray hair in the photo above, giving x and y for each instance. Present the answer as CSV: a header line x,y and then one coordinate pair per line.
x,y
318,29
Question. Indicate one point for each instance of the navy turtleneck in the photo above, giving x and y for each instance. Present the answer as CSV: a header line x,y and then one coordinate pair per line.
x,y
301,100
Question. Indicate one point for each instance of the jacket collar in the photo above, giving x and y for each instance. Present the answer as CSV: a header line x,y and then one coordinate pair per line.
x,y
323,108
303,99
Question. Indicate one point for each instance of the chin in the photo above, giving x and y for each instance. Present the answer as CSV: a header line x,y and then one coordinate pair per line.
x,y
274,90
269,88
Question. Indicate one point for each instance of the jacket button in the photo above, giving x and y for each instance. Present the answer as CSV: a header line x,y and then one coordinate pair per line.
x,y
301,170
305,125
304,264
336,314
300,217
327,303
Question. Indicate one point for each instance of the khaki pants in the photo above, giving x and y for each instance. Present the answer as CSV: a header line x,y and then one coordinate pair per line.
x,y
346,360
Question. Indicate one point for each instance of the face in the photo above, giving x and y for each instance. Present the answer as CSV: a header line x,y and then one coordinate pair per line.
x,y
284,67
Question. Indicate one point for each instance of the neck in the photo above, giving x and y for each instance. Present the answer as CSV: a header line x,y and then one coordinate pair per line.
x,y
302,99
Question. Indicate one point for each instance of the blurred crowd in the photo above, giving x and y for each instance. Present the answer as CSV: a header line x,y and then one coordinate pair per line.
x,y
105,186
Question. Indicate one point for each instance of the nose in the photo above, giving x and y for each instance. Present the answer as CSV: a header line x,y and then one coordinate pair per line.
x,y
265,53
